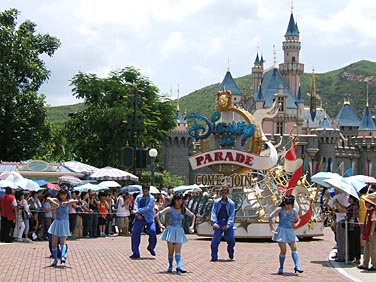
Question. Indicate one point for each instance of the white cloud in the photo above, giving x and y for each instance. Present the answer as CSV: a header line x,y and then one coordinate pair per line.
x,y
351,24
189,42
173,43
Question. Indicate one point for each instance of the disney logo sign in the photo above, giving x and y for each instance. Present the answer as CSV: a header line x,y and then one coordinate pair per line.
x,y
228,132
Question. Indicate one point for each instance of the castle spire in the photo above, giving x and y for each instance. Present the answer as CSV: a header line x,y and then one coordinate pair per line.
x,y
178,106
274,58
366,94
312,106
292,6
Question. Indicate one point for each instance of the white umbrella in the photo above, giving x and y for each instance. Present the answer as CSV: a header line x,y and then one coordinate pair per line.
x,y
154,190
27,184
79,167
111,173
343,186
89,186
110,183
69,179
7,183
138,189
11,176
363,178
185,188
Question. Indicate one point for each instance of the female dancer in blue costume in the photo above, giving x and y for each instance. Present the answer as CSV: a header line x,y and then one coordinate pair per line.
x,y
60,226
174,233
288,217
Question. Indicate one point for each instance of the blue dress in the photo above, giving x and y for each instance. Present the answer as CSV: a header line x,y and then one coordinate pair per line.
x,y
174,232
285,232
60,226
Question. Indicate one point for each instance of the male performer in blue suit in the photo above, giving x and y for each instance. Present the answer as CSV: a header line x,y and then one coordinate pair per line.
x,y
143,210
222,220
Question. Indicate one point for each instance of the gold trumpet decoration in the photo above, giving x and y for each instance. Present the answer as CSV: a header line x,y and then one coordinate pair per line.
x,y
279,176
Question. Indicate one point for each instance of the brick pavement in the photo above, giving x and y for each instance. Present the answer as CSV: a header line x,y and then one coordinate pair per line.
x,y
106,259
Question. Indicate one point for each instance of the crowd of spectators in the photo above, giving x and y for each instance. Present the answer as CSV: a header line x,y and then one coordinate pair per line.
x,y
26,216
353,234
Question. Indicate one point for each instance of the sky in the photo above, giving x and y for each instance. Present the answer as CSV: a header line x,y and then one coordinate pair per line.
x,y
185,45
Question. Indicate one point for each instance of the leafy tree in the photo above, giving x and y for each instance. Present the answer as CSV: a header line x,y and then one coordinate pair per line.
x,y
56,149
23,125
97,132
162,179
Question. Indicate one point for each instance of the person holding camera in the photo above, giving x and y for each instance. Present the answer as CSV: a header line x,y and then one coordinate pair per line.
x,y
93,205
339,203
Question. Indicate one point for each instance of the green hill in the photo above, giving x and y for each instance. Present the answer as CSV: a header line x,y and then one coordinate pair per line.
x,y
333,88
59,114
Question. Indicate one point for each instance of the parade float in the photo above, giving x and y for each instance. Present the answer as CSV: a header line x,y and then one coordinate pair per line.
x,y
233,146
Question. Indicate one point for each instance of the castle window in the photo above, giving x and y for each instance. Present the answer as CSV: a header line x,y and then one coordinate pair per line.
x,y
281,100
280,128
293,59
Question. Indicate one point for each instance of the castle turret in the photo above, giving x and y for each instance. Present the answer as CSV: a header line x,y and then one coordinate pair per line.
x,y
347,120
228,83
259,99
367,125
257,71
291,69
300,104
328,140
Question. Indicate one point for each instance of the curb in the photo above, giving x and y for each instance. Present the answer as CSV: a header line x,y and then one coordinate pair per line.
x,y
337,267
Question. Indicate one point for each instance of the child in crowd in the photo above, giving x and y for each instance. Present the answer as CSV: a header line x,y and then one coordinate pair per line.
x,y
369,234
103,210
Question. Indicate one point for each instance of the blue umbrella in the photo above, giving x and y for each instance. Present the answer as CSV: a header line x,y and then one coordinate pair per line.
x,y
357,184
41,182
321,177
88,186
131,189
343,186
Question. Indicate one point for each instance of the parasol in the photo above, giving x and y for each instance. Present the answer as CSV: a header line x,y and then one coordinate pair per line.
x,y
343,186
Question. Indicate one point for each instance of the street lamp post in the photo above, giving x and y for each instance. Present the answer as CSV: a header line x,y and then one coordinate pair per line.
x,y
134,122
153,153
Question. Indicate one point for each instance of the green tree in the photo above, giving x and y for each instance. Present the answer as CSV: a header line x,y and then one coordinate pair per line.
x,y
97,132
23,125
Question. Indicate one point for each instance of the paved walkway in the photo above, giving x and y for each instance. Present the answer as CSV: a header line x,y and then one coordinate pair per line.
x,y
106,259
